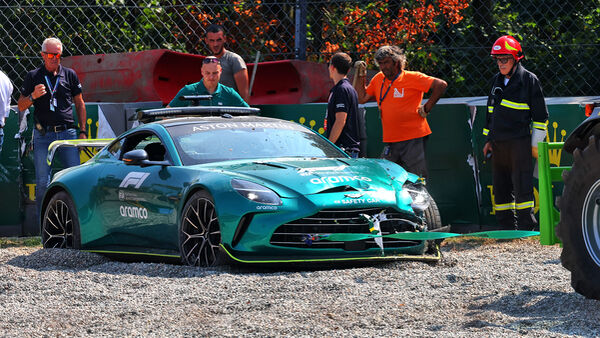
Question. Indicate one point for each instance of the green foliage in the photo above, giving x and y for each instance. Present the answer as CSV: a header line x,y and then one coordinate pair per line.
x,y
6,242
560,38
89,27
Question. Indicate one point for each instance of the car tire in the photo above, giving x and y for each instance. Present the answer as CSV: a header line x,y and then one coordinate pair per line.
x,y
60,224
433,220
200,232
580,220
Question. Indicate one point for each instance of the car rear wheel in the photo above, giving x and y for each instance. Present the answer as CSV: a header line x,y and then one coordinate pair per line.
x,y
579,226
60,225
200,232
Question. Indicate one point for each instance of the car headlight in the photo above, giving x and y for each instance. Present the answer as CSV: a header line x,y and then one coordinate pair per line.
x,y
255,192
419,195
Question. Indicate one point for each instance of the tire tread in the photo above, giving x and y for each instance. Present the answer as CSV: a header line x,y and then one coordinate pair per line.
x,y
575,257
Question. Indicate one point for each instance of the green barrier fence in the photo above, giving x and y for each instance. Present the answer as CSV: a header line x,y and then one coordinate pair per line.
x,y
17,173
459,180
11,172
17,185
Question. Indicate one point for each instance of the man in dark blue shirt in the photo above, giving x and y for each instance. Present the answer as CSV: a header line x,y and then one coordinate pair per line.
x,y
52,89
341,121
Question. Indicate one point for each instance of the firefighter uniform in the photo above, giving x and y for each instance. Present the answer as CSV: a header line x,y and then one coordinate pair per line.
x,y
513,109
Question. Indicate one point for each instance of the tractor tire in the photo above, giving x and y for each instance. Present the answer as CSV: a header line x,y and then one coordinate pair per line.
x,y
579,226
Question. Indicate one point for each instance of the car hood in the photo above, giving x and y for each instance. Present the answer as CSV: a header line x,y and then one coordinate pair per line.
x,y
312,176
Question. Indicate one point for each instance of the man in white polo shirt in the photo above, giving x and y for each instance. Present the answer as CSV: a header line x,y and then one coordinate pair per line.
x,y
6,89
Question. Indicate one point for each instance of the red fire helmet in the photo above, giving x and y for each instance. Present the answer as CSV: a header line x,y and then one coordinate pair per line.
x,y
507,45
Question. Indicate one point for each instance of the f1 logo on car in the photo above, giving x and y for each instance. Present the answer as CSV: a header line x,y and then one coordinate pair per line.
x,y
134,178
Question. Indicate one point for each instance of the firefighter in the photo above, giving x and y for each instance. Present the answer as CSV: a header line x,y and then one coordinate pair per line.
x,y
516,121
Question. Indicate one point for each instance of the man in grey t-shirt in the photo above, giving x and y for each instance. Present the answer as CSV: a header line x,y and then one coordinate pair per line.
x,y
235,72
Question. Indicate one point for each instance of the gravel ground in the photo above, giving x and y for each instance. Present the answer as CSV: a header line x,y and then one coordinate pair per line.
x,y
480,288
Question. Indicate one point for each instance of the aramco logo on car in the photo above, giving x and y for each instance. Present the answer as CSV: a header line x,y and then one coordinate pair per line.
x,y
133,212
338,179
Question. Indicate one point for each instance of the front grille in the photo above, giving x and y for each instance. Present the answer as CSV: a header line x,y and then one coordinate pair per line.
x,y
294,234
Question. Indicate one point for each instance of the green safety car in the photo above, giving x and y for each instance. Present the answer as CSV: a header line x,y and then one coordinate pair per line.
x,y
231,186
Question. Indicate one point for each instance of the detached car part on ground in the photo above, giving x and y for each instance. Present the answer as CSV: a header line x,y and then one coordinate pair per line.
x,y
244,188
579,225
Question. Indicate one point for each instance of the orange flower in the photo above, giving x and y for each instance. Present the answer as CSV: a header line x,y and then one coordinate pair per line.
x,y
364,27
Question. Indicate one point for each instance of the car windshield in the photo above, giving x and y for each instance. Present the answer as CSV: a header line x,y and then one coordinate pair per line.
x,y
222,141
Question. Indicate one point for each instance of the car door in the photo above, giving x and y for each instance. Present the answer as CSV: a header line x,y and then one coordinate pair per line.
x,y
138,203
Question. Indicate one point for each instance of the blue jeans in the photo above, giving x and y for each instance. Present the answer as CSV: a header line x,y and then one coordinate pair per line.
x,y
69,157
1,137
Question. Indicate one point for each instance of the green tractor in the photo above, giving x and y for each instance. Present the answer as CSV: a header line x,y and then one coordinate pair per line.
x,y
578,227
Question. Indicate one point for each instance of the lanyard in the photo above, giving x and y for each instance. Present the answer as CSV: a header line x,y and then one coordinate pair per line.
x,y
381,98
52,90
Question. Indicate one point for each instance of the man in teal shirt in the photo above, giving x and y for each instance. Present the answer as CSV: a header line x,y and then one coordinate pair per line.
x,y
209,85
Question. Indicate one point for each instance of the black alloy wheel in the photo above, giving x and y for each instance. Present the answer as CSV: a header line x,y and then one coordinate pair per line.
x,y
200,233
60,224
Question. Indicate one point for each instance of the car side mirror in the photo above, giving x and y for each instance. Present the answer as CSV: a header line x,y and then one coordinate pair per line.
x,y
135,157
140,157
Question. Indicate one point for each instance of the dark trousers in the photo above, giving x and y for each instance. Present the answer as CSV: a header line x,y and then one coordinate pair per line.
x,y
513,183
409,154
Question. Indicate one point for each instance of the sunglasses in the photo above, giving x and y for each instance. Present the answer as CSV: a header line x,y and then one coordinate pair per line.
x,y
210,60
52,55
502,60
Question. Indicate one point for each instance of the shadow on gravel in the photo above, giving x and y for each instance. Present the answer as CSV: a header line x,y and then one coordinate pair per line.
x,y
75,260
559,312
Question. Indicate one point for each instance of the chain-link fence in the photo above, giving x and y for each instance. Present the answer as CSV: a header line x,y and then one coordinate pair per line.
x,y
450,39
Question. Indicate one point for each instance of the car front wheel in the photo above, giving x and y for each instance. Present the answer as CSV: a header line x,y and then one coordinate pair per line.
x,y
60,224
433,220
200,233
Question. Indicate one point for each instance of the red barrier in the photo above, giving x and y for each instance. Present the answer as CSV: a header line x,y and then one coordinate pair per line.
x,y
157,75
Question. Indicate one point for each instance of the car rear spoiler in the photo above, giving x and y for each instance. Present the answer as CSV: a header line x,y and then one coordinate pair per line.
x,y
86,145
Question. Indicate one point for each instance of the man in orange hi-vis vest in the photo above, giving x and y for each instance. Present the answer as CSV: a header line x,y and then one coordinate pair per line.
x,y
399,93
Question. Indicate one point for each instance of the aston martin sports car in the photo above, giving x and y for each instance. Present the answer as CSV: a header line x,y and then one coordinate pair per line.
x,y
213,185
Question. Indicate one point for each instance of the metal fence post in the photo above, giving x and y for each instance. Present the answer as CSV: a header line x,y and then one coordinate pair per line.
x,y
300,32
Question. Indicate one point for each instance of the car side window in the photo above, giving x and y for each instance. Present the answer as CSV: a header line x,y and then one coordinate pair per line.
x,y
147,141
114,150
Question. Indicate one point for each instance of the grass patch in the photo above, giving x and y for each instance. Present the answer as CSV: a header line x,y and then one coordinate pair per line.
x,y
472,242
6,242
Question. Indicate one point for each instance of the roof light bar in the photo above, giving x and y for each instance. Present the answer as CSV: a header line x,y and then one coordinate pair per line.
x,y
195,98
150,115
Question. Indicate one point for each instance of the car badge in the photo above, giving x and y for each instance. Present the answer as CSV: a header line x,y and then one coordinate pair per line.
x,y
358,195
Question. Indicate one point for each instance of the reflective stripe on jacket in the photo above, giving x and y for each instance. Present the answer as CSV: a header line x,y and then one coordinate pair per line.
x,y
511,109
